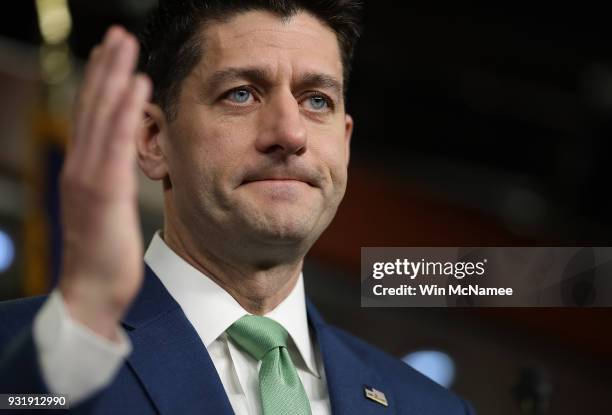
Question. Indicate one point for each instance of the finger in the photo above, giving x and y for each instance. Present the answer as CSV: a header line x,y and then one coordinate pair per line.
x,y
82,98
120,146
77,158
95,69
89,76
129,116
108,96
112,85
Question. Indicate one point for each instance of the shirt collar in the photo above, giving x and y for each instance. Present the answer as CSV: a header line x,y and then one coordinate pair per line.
x,y
200,297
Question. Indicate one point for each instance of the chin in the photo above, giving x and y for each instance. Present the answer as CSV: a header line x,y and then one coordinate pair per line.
x,y
295,222
282,229
285,232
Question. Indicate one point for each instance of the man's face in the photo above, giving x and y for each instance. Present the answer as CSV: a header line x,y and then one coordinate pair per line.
x,y
260,146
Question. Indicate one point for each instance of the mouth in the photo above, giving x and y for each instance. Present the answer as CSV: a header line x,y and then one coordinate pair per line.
x,y
278,180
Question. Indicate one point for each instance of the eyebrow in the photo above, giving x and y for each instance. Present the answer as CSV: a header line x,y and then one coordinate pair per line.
x,y
319,80
263,77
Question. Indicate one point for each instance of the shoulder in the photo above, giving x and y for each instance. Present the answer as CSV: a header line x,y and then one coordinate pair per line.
x,y
411,388
16,314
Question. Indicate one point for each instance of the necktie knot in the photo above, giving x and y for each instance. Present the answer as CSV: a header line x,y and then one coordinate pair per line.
x,y
258,335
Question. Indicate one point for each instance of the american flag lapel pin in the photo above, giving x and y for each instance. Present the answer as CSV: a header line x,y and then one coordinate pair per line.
x,y
375,395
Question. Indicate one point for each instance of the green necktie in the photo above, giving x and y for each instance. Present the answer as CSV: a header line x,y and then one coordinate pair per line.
x,y
281,390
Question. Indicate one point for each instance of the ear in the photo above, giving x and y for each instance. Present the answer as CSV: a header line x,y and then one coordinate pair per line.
x,y
348,132
149,144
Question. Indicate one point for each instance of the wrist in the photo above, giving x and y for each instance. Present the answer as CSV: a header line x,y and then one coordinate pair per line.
x,y
92,311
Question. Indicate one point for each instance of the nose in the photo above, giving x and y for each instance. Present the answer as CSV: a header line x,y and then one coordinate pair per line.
x,y
282,130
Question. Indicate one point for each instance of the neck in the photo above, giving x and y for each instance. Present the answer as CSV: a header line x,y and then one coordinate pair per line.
x,y
258,289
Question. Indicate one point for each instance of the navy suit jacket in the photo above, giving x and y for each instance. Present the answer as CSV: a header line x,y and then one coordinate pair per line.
x,y
169,371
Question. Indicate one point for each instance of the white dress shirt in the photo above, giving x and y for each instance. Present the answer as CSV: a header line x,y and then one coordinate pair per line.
x,y
209,309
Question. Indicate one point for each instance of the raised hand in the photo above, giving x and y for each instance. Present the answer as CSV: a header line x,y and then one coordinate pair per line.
x,y
102,265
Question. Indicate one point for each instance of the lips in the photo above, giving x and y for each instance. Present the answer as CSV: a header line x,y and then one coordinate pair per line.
x,y
272,177
279,179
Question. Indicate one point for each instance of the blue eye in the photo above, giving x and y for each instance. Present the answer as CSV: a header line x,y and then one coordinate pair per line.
x,y
239,95
318,102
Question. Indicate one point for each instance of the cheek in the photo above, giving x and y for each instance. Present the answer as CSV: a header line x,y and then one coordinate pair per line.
x,y
330,148
225,147
211,147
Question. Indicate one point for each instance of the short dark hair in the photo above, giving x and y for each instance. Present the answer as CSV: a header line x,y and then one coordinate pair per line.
x,y
170,48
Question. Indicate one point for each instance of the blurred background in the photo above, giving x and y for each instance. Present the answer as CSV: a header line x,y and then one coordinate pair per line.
x,y
475,126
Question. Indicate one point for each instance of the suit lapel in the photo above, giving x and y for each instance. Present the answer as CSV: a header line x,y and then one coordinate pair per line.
x,y
169,357
179,377
347,375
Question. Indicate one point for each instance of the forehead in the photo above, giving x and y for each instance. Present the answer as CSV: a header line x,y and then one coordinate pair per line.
x,y
300,43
